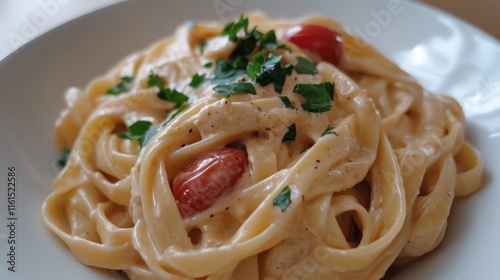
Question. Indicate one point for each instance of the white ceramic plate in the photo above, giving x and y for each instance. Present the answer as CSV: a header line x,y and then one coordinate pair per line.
x,y
445,54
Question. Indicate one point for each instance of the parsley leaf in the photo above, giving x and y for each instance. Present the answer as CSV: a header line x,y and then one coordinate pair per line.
x,y
239,63
208,64
268,41
318,96
231,29
121,87
254,67
197,80
63,160
244,47
225,72
136,131
329,130
286,102
173,96
165,93
202,46
229,89
223,69
304,66
268,70
283,199
290,134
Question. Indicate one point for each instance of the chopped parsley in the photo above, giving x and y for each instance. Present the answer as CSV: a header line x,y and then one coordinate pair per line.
x,y
234,88
268,70
245,46
202,46
286,102
197,80
122,86
290,134
318,97
263,67
165,93
231,29
226,72
329,130
136,132
283,199
239,63
208,64
63,160
304,66
268,41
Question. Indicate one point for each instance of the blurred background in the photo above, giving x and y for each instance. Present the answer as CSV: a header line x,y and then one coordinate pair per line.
x,y
23,20
484,14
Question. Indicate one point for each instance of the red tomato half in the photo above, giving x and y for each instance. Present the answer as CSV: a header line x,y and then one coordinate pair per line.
x,y
199,184
317,39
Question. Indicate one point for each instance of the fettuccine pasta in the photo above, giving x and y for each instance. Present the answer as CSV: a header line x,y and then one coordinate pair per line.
x,y
236,152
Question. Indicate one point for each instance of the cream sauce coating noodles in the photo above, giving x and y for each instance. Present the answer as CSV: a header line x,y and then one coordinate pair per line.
x,y
375,191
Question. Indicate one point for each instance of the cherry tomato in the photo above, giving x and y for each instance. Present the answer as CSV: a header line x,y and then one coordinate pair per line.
x,y
318,40
200,183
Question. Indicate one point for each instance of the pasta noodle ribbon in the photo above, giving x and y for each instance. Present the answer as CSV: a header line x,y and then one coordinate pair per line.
x,y
337,193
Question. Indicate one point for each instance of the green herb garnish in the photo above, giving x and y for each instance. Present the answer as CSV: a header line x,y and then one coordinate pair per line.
x,y
165,93
208,64
226,72
136,131
244,47
234,88
63,160
318,97
283,199
290,134
304,66
329,130
122,86
268,70
231,29
286,101
197,80
202,46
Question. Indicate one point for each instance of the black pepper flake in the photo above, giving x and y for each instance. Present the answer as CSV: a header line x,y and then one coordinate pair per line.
x,y
191,130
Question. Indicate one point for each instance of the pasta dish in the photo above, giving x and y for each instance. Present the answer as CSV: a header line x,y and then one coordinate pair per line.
x,y
257,149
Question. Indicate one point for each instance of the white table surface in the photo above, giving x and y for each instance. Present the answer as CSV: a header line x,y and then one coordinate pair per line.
x,y
24,20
